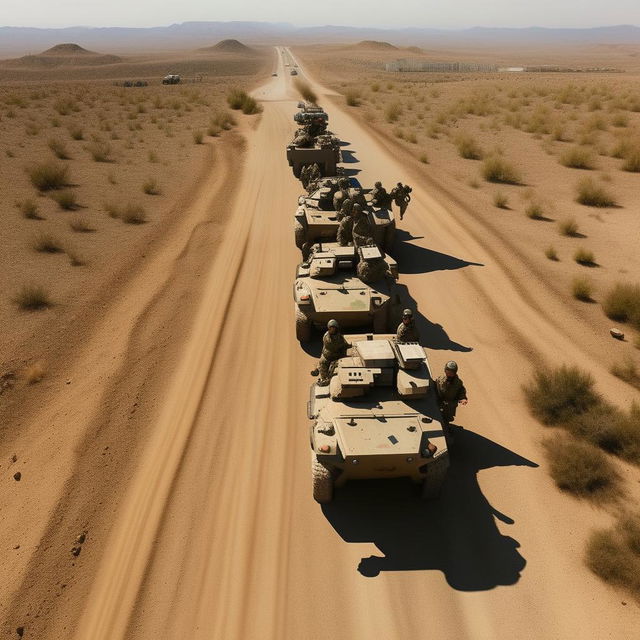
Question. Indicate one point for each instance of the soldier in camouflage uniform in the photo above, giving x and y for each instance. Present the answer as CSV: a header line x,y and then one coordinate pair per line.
x,y
362,232
304,175
357,197
346,209
345,230
379,196
372,270
341,195
401,197
450,391
407,330
334,347
314,173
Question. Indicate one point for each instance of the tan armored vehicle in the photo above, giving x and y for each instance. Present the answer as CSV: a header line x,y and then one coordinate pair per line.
x,y
377,418
323,150
328,286
317,221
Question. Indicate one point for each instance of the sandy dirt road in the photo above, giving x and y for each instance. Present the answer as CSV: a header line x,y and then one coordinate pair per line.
x,y
218,536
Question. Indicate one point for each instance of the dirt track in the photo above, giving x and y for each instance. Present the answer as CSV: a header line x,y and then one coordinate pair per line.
x,y
218,536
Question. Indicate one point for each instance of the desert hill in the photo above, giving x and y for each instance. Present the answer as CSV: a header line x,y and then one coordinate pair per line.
x,y
228,46
374,45
68,54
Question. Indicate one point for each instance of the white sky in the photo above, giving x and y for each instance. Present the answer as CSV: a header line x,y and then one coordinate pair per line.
x,y
371,13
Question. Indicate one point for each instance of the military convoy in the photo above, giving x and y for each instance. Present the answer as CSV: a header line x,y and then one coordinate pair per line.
x,y
377,418
374,413
172,78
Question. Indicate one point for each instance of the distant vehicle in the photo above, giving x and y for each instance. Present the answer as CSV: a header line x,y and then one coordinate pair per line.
x,y
286,64
134,83
171,79
294,72
274,74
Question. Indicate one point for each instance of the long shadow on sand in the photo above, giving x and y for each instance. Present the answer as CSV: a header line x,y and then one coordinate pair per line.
x,y
456,534
415,259
348,157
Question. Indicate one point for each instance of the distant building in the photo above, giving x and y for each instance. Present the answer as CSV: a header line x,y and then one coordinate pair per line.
x,y
417,64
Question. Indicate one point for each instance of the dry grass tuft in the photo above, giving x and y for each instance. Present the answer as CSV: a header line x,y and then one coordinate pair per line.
x,y
551,254
32,298
151,188
584,257
29,209
80,224
66,200
49,176
578,158
46,243
198,137
627,371
622,303
133,214
59,148
592,194
240,100
497,169
535,211
568,227
100,150
34,373
581,289
468,147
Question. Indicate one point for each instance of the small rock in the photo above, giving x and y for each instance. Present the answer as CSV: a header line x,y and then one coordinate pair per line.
x,y
16,476
20,631
76,551
68,382
14,458
624,604
81,538
17,546
616,333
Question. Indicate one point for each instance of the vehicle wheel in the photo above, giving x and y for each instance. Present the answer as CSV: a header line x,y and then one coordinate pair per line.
x,y
322,481
432,484
298,230
303,326
389,237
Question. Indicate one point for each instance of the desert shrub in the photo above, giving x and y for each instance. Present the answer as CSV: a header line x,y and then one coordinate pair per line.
x,y
581,469
592,194
468,147
375,87
46,243
112,209
34,372
393,112
614,554
65,106
632,161
534,211
80,224
66,199
76,132
198,137
100,150
622,303
213,130
75,259
32,298
150,187
352,98
628,371
500,200
497,169
555,395
584,257
578,158
224,120
305,90
568,227
133,214
29,209
59,148
620,120
241,100
424,158
49,175
581,289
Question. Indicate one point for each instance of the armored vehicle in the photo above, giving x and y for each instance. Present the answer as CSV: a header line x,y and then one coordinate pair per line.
x,y
316,220
356,287
377,418
323,150
294,72
310,113
171,79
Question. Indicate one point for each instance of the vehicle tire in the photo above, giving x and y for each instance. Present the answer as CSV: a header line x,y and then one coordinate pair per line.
x,y
303,326
389,237
299,232
432,484
296,170
322,481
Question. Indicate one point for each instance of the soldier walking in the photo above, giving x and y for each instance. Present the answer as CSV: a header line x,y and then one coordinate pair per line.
x,y
400,194
450,391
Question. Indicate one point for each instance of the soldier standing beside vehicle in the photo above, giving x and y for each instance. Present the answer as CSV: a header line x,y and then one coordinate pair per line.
x,y
407,330
334,347
400,194
362,233
341,195
345,230
379,196
450,391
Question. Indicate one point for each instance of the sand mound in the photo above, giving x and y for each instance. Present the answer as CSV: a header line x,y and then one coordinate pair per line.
x,y
68,54
374,45
228,46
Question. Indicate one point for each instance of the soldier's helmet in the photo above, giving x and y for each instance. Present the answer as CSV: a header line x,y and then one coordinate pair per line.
x,y
407,313
451,366
378,185
357,207
399,184
333,323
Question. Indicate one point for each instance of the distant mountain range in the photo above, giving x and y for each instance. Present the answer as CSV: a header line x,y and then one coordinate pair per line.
x,y
191,35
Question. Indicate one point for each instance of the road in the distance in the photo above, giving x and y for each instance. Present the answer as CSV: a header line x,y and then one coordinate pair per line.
x,y
219,537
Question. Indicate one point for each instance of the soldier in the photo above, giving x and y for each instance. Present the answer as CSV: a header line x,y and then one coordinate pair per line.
x,y
379,196
346,209
372,270
362,232
341,195
345,230
407,330
450,391
401,197
334,347
358,197
314,173
304,175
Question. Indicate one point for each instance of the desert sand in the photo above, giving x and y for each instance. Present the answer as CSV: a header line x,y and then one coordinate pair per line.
x,y
179,447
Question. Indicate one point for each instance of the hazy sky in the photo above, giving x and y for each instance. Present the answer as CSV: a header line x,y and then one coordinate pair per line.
x,y
375,13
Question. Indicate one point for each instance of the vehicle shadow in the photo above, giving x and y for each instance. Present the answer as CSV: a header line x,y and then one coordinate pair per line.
x,y
348,157
432,335
415,259
456,534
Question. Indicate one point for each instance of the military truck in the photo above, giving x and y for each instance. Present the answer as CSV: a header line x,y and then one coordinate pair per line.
x,y
171,79
329,285
309,113
324,151
377,418
316,220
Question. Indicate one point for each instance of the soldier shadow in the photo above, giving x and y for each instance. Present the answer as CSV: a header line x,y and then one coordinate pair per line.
x,y
413,258
456,534
432,335
348,157
350,172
